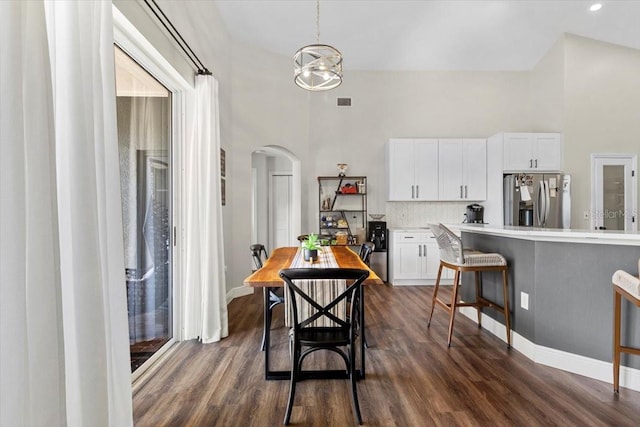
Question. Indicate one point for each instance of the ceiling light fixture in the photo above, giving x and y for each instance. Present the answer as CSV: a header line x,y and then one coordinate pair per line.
x,y
595,6
318,66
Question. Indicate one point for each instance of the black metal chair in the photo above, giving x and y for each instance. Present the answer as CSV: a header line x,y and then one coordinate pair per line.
x,y
309,332
366,250
272,296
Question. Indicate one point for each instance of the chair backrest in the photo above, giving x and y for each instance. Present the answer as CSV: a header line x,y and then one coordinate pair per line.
x,y
259,254
306,286
365,251
450,245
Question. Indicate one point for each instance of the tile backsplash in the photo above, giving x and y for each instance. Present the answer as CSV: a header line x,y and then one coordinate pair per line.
x,y
419,214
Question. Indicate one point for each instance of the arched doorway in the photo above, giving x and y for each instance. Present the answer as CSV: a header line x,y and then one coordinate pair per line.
x,y
276,208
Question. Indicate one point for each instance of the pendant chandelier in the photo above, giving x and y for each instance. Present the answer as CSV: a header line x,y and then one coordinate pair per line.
x,y
318,66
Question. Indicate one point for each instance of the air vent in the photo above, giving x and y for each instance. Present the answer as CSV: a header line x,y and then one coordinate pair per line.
x,y
344,102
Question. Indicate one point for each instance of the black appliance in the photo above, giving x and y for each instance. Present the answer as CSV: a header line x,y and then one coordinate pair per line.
x,y
475,214
378,234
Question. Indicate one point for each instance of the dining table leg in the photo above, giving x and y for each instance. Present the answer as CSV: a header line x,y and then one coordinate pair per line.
x,y
362,339
267,333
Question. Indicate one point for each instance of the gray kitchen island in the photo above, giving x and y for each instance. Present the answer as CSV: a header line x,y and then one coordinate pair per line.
x,y
560,295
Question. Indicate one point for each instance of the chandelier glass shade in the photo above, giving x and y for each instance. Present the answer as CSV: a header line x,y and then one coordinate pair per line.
x,y
318,67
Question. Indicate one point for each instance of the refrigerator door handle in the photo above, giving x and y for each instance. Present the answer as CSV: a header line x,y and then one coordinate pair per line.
x,y
540,203
547,201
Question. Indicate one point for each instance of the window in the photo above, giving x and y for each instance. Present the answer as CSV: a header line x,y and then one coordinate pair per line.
x,y
144,143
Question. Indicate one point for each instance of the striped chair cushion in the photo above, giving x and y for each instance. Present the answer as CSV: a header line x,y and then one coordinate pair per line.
x,y
482,259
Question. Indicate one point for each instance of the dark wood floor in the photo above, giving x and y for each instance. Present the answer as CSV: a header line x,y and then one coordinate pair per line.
x,y
413,379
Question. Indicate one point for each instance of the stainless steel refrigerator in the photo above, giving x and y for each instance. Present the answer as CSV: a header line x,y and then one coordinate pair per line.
x,y
537,200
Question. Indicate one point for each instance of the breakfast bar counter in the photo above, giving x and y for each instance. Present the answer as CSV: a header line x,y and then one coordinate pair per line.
x,y
561,294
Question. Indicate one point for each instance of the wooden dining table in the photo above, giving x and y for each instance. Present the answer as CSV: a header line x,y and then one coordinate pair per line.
x,y
269,277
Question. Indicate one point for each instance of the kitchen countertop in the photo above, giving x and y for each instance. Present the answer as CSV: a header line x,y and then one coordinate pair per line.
x,y
554,234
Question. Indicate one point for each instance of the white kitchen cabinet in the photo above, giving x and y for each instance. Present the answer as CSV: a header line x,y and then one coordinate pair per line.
x,y
408,261
412,169
462,169
537,152
415,258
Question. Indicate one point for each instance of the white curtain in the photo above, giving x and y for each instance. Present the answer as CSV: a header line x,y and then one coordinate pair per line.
x,y
64,353
204,276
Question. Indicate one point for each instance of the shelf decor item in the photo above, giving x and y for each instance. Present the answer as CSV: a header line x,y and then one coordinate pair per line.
x,y
310,247
342,169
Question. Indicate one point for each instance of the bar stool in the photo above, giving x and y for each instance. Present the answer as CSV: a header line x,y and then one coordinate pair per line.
x,y
453,256
628,286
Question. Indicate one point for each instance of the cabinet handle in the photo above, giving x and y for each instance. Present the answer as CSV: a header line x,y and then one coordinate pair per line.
x,y
536,163
417,191
465,192
461,191
424,250
530,163
413,192
419,250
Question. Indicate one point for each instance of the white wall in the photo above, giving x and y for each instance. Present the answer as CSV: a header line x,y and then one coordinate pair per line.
x,y
546,91
602,110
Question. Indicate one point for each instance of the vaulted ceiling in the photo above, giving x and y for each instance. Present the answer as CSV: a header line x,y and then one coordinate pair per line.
x,y
429,34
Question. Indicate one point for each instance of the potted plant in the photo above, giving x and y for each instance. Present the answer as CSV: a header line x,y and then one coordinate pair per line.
x,y
311,246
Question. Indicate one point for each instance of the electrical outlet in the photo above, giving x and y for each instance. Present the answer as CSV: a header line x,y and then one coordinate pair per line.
x,y
585,215
524,300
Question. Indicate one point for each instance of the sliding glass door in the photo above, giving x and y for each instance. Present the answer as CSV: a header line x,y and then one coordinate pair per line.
x,y
144,141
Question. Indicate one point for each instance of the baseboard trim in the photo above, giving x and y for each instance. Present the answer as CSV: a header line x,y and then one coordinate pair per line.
x,y
569,362
239,291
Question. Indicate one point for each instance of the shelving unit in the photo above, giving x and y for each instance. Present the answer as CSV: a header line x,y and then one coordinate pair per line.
x,y
342,205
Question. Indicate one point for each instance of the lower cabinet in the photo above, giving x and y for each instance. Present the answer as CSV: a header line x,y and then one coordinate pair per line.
x,y
415,259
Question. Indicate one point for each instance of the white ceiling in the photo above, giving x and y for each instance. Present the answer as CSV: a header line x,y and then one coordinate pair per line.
x,y
430,34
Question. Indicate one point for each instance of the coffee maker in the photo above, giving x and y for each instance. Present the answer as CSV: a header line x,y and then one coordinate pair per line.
x,y
475,214
378,234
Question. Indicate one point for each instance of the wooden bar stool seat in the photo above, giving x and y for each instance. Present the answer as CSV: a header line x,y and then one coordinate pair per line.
x,y
453,256
627,286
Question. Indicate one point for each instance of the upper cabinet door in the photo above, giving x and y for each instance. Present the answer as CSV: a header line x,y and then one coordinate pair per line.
x,y
518,151
463,169
533,152
549,151
451,169
401,170
475,169
426,169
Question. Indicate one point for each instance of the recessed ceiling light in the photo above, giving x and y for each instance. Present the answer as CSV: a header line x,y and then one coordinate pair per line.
x,y
595,6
